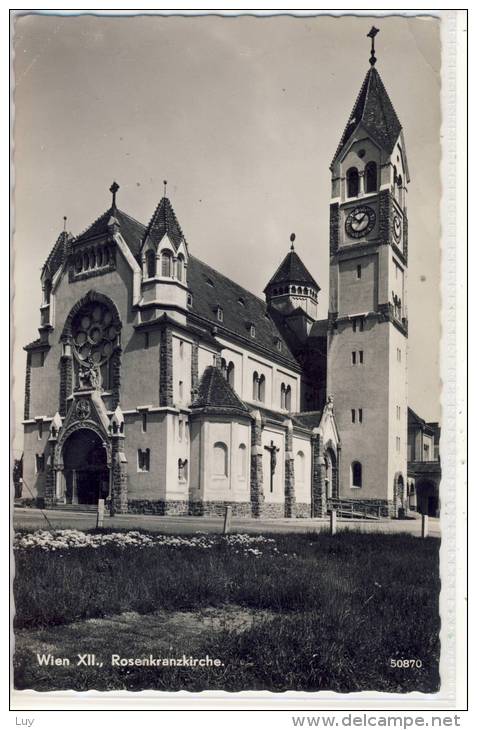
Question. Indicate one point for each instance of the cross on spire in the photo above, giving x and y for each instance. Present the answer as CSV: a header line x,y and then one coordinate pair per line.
x,y
292,239
113,190
372,33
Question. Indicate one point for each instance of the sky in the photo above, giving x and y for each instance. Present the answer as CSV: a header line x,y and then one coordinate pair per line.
x,y
242,116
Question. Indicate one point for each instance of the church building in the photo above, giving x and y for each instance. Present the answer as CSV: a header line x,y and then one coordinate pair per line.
x,y
164,387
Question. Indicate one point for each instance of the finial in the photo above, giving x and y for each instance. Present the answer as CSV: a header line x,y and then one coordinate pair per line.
x,y
64,222
114,189
292,238
372,33
165,187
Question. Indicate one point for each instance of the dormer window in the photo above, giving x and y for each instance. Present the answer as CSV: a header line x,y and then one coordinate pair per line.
x,y
210,282
241,302
278,344
189,300
219,313
251,329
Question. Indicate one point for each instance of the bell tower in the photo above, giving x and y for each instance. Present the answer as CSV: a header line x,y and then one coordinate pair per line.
x,y
367,322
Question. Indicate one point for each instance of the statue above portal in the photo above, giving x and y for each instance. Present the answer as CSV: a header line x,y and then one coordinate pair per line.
x,y
89,375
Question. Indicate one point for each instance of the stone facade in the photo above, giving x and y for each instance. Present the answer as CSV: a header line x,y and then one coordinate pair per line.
x,y
256,469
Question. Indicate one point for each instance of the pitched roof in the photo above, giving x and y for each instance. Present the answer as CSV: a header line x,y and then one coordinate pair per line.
x,y
292,270
281,417
309,419
131,230
57,254
374,109
240,309
163,222
215,394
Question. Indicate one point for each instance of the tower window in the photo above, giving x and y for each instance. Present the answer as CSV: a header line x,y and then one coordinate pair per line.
x,y
361,324
371,177
39,463
252,330
181,390
356,474
398,443
398,412
151,264
353,357
398,354
352,182
144,422
353,415
361,357
180,267
355,325
166,264
143,459
182,470
220,314
40,429
360,415
358,271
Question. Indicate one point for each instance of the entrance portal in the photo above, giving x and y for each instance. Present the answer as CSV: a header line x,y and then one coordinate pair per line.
x,y
427,498
85,468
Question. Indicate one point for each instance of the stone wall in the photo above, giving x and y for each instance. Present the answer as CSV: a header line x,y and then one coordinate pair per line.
x,y
166,384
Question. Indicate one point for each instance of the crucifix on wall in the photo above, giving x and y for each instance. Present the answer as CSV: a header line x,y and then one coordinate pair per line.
x,y
273,451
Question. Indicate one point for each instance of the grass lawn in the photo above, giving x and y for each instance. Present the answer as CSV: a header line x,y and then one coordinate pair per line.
x,y
300,612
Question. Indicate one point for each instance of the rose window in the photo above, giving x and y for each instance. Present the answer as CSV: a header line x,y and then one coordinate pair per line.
x,y
95,335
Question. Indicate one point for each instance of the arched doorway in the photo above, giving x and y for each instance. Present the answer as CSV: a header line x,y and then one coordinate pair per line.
x,y
85,468
331,474
427,498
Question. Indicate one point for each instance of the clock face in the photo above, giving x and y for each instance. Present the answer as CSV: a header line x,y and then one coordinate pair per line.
x,y
397,228
360,221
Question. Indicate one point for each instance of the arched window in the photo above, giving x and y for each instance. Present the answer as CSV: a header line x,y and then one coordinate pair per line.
x,y
255,386
283,391
371,177
79,263
261,388
230,374
180,267
220,460
86,262
223,367
352,182
182,470
288,398
242,461
47,291
300,466
166,263
150,263
356,474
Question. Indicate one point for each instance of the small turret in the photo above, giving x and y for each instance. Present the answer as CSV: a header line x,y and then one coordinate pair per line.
x,y
292,286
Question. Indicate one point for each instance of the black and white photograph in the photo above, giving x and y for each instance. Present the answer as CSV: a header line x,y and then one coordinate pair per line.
x,y
228,424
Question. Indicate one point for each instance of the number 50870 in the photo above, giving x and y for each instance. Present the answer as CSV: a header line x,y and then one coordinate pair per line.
x,y
405,663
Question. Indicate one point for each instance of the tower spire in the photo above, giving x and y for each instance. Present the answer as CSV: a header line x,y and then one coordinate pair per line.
x,y
292,239
165,188
372,33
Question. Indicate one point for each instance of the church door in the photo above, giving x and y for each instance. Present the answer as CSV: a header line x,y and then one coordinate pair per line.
x,y
85,468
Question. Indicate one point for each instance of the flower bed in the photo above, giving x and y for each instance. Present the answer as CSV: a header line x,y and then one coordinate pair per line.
x,y
70,539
